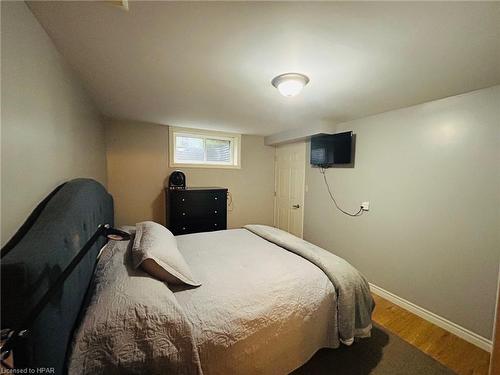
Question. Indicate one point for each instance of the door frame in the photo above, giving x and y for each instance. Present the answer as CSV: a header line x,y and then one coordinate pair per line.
x,y
275,213
495,350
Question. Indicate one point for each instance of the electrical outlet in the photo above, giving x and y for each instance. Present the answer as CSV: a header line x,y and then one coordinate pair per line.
x,y
365,206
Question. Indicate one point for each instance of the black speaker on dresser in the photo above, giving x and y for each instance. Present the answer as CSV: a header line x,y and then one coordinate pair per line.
x,y
177,180
196,209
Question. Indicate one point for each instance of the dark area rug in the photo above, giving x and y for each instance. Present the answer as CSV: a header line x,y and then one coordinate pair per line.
x,y
383,353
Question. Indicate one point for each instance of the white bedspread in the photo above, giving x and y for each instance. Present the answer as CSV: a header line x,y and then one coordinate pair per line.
x,y
260,310
354,300
133,324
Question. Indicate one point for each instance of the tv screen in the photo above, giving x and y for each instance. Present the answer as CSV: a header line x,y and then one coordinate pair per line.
x,y
331,149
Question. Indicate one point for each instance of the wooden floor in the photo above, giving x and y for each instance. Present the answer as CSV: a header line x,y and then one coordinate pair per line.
x,y
453,352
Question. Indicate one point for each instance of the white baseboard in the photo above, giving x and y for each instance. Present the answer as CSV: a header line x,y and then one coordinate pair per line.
x,y
449,326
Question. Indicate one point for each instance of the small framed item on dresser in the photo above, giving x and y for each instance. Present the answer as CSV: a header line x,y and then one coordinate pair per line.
x,y
196,209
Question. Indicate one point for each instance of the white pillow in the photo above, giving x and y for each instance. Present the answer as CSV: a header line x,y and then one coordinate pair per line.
x,y
155,251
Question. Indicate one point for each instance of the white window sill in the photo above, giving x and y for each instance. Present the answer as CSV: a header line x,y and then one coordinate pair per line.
x,y
214,166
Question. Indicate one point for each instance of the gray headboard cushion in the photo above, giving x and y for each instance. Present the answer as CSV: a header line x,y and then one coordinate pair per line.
x,y
61,229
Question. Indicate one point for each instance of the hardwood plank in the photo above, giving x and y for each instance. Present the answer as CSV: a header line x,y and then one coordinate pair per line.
x,y
450,350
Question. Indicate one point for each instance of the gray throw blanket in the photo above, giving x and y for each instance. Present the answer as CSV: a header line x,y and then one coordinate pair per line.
x,y
354,301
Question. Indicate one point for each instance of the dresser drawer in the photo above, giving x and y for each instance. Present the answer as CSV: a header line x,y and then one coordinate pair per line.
x,y
196,227
189,213
197,205
210,199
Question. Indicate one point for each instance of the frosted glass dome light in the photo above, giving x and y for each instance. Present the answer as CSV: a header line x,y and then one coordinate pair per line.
x,y
290,84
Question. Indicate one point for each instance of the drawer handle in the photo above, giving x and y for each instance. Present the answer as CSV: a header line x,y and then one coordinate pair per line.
x,y
216,198
183,228
183,199
215,211
215,225
183,214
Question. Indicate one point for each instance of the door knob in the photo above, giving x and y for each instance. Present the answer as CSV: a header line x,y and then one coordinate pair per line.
x,y
296,206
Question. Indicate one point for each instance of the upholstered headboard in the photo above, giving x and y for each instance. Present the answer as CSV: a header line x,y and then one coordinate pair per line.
x,y
38,253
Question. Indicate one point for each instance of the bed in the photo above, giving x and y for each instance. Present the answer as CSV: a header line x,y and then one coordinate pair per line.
x,y
265,306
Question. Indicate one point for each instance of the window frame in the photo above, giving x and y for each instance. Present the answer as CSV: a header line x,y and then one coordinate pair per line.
x,y
233,138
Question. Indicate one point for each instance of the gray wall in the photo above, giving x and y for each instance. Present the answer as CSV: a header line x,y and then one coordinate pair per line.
x,y
50,132
432,175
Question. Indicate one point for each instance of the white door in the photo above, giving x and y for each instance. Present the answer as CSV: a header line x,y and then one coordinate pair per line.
x,y
289,187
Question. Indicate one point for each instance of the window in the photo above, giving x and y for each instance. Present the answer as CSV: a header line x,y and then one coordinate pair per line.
x,y
203,148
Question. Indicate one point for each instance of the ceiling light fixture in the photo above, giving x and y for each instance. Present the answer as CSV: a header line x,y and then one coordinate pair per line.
x,y
290,84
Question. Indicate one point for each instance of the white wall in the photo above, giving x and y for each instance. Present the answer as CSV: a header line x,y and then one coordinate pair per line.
x,y
50,132
432,175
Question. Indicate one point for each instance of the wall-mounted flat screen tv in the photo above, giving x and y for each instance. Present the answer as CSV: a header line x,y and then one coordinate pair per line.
x,y
328,150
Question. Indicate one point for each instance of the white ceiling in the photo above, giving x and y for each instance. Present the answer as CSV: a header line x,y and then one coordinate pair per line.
x,y
209,65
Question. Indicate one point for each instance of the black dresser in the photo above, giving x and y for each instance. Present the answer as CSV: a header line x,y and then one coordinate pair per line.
x,y
193,210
